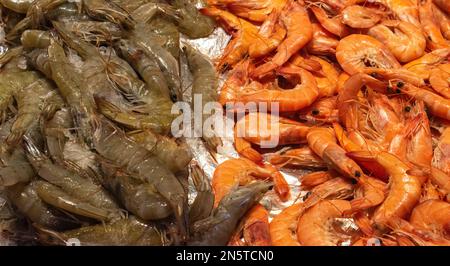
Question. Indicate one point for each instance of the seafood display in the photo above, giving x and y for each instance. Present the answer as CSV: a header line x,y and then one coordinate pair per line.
x,y
225,122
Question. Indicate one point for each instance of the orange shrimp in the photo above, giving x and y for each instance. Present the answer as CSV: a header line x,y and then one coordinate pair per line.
x,y
257,11
301,157
343,77
430,192
370,193
437,105
265,129
244,33
415,235
335,188
302,96
442,180
420,144
271,34
357,52
241,171
299,33
432,215
395,76
323,142
322,111
322,42
403,39
255,229
325,15
404,189
443,4
404,10
440,80
444,21
431,28
326,82
315,226
441,158
348,103
316,178
283,228
422,66
360,17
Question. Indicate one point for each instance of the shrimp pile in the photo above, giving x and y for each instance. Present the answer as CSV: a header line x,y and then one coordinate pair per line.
x,y
361,91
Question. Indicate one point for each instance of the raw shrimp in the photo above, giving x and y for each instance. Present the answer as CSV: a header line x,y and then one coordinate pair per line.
x,y
422,66
404,189
123,232
315,226
265,129
145,65
302,157
176,156
25,198
357,52
205,84
31,102
322,42
19,6
70,180
217,229
403,39
432,215
103,9
440,80
283,227
431,27
323,142
360,17
168,31
112,144
35,39
204,201
95,31
242,171
39,59
441,158
190,21
138,197
299,33
56,132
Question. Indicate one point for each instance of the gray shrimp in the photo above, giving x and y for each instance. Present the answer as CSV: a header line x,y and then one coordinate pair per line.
x,y
112,144
39,59
190,21
95,31
36,39
25,198
72,180
67,12
205,84
140,198
204,201
55,132
103,9
19,6
217,229
124,232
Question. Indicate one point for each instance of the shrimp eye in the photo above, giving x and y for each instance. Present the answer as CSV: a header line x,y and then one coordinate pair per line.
x,y
354,181
389,89
357,174
429,38
307,195
408,109
315,112
173,97
374,74
400,84
398,91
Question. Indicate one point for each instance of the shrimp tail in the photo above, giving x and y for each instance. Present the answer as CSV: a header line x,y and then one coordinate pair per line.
x,y
34,154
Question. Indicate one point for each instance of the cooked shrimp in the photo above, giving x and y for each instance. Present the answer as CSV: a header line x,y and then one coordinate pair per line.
x,y
357,52
327,81
403,39
443,4
299,33
405,10
283,228
423,65
404,189
440,80
444,21
257,11
370,193
441,157
437,105
360,17
322,42
420,144
327,18
432,215
322,111
323,142
431,28
315,179
441,179
301,157
241,171
315,227
255,229
335,188
265,129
